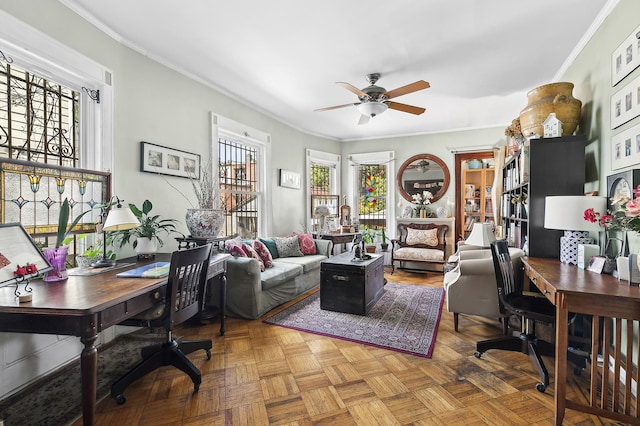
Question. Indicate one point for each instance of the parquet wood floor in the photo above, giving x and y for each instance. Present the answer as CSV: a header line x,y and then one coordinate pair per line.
x,y
262,374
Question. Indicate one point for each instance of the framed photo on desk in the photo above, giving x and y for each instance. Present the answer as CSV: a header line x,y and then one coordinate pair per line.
x,y
18,249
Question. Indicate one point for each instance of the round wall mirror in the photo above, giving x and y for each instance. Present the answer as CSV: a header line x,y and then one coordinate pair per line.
x,y
423,172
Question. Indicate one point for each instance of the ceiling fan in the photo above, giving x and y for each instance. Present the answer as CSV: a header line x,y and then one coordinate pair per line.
x,y
422,166
374,100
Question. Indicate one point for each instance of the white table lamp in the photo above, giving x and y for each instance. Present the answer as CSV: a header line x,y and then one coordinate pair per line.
x,y
119,218
481,235
566,213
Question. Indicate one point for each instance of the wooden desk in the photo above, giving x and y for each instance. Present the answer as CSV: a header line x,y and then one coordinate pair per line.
x,y
612,303
336,239
83,307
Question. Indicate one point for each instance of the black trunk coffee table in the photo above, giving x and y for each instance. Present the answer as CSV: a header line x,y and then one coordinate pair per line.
x,y
351,286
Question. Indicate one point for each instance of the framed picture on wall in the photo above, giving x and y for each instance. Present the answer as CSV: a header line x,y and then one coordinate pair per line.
x,y
625,148
168,161
625,103
626,57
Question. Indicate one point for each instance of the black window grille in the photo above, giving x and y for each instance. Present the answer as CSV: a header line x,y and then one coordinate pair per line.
x,y
38,118
239,187
320,179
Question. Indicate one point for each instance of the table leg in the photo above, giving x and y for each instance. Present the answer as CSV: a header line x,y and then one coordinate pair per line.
x,y
89,377
562,336
223,301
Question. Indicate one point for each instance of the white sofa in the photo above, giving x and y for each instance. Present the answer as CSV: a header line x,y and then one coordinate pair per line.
x,y
471,286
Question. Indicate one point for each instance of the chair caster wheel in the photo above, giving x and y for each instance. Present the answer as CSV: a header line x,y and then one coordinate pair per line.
x,y
477,354
541,387
120,399
208,354
196,387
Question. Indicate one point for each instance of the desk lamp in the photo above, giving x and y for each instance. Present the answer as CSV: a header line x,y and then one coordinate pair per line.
x,y
481,235
119,218
566,213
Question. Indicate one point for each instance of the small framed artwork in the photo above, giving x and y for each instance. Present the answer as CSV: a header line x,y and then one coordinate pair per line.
x,y
596,264
168,161
625,103
625,148
289,179
625,58
18,249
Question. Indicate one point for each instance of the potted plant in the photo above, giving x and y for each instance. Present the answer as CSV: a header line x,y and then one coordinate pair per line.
x,y
93,252
147,235
57,256
205,220
384,245
369,236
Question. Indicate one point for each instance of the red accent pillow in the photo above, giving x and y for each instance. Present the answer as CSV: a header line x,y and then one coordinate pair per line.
x,y
250,252
236,251
307,246
263,252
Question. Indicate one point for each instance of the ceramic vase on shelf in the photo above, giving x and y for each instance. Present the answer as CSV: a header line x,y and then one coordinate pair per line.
x,y
543,100
57,258
204,223
423,213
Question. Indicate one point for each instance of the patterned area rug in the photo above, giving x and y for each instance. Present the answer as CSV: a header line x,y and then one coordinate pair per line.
x,y
405,319
56,399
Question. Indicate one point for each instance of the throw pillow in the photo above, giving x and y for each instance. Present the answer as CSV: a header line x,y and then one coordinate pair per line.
x,y
288,246
307,246
232,242
271,245
237,251
264,253
422,236
250,252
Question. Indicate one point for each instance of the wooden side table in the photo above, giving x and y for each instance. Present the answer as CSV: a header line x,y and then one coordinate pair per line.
x,y
217,268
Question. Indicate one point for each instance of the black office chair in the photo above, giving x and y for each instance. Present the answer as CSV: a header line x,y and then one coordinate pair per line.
x,y
530,308
184,292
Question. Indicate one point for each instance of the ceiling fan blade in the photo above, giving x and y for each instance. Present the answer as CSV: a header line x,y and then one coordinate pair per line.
x,y
352,89
336,107
406,108
409,88
364,119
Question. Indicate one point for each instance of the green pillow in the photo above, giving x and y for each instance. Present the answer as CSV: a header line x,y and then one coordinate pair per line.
x,y
271,245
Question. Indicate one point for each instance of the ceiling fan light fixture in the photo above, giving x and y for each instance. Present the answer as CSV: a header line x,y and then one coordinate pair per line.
x,y
423,166
372,109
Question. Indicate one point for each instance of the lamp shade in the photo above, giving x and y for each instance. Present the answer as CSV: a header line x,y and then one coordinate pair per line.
x,y
372,108
119,219
566,212
481,235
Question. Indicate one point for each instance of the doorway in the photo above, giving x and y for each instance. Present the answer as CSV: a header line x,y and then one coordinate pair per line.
x,y
460,159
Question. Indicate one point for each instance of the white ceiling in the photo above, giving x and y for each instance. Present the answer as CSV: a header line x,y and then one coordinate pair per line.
x,y
283,57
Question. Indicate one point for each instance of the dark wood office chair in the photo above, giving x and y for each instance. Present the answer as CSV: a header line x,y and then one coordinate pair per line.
x,y
184,293
530,308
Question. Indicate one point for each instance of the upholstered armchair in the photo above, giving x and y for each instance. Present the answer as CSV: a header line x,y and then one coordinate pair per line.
x,y
471,287
419,243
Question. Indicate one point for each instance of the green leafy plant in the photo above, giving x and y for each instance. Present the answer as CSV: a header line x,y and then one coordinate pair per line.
x,y
150,226
383,236
63,219
96,249
368,235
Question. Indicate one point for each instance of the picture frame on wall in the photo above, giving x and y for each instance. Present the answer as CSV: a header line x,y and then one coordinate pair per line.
x,y
625,148
625,103
625,58
289,179
168,161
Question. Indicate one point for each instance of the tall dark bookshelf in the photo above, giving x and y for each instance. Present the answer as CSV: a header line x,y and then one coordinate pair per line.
x,y
552,166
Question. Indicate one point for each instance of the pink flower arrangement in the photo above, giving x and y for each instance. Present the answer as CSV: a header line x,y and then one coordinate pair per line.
x,y
625,214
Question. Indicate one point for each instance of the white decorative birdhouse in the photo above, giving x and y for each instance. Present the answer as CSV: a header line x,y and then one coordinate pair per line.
x,y
552,126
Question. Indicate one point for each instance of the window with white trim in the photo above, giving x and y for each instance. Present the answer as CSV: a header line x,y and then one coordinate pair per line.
x,y
241,155
371,178
323,178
